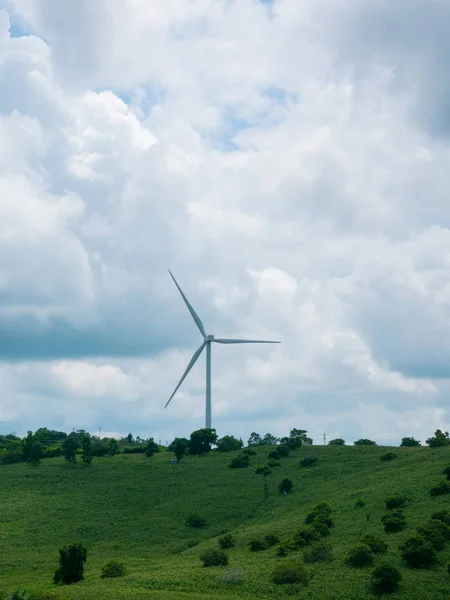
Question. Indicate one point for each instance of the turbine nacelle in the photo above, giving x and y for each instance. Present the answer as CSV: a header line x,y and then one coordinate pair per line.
x,y
209,338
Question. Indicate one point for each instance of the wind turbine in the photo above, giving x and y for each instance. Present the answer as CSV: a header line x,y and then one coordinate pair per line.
x,y
207,341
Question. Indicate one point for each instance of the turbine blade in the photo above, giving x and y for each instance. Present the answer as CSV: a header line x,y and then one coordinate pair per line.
x,y
188,368
191,310
235,341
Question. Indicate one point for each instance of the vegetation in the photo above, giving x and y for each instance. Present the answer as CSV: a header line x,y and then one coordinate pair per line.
x,y
360,556
71,564
214,558
113,569
364,442
408,442
337,442
130,509
388,456
440,439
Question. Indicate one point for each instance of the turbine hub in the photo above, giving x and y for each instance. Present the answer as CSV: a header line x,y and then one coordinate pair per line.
x,y
209,338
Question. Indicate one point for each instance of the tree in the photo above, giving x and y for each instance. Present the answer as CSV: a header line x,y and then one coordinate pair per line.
x,y
71,564
151,447
113,446
179,447
409,441
364,442
337,442
228,443
31,450
70,447
270,440
201,441
255,439
86,454
297,437
439,439
129,439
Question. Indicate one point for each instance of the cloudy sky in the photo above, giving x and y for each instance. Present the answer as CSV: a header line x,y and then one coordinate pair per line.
x,y
288,160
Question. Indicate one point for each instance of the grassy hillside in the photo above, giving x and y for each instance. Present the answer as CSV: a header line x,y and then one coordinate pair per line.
x,y
132,508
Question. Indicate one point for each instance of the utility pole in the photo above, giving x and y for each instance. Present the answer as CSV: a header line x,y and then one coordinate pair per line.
x,y
324,439
99,431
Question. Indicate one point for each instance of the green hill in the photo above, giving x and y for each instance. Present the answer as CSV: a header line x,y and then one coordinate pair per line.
x,y
132,508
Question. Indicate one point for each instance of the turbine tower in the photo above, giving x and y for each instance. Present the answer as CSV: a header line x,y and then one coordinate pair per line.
x,y
207,341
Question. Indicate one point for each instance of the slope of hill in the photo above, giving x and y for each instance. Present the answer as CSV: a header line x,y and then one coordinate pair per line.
x,y
132,508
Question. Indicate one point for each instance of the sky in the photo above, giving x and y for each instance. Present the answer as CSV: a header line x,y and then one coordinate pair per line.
x,y
287,160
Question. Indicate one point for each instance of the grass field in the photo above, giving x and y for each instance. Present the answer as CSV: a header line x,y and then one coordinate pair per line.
x,y
132,508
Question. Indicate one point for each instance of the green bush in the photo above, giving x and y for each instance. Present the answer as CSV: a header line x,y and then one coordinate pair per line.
x,y
249,451
360,556
256,545
273,464
375,543
285,547
286,486
240,462
290,572
321,525
320,511
307,462
388,456
385,579
318,553
274,454
283,451
112,569
195,521
393,522
271,540
305,536
441,515
408,442
71,564
395,501
214,558
263,470
418,553
226,541
440,489
435,532
360,502
18,595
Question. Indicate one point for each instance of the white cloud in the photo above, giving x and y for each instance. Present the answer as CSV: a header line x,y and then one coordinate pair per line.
x,y
286,179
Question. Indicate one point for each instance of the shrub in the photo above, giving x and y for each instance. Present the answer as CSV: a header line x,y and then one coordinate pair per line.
x,y
274,454
283,451
273,464
323,510
375,543
113,568
134,449
232,576
388,456
214,558
337,442
364,442
256,545
271,540
393,522
263,470
195,521
385,579
286,486
441,515
318,553
435,532
289,572
228,443
360,556
321,525
249,451
240,462
305,536
446,472
440,489
226,541
285,547
360,503
396,501
418,553
71,564
309,461
18,595
409,442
